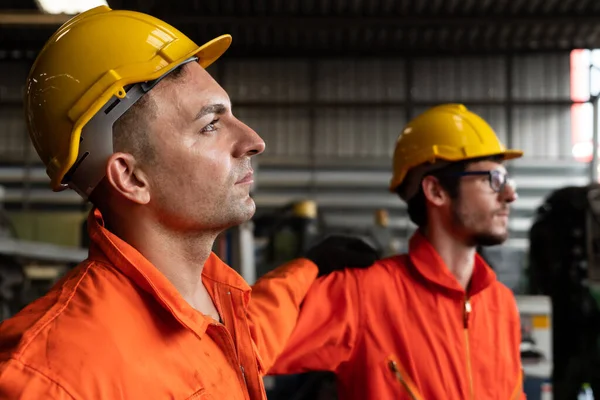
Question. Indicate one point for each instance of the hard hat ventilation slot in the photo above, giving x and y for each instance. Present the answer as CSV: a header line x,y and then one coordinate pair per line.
x,y
112,106
118,100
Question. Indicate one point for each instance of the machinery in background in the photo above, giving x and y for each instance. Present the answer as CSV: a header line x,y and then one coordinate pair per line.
x,y
285,234
564,264
258,246
536,345
28,269
382,236
291,230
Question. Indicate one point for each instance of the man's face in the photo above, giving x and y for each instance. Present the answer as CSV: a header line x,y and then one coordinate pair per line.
x,y
200,175
479,213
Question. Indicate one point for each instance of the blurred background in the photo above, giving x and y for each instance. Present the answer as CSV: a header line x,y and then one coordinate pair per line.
x,y
329,85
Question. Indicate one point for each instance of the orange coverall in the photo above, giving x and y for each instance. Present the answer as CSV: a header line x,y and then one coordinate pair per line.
x,y
405,329
115,328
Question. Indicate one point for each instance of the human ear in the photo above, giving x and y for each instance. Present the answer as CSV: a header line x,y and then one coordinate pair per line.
x,y
127,178
433,191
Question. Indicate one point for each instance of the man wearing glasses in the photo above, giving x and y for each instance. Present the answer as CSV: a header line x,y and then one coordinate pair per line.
x,y
434,323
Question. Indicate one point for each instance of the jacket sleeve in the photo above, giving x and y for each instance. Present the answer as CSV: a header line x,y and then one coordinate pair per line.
x,y
327,327
274,306
22,382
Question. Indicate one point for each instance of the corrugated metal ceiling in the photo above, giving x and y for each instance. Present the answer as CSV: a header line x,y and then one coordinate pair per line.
x,y
362,27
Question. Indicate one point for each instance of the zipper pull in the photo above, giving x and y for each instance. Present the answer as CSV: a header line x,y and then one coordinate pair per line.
x,y
396,371
243,374
393,365
467,313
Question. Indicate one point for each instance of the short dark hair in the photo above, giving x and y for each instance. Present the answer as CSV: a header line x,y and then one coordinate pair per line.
x,y
449,180
130,131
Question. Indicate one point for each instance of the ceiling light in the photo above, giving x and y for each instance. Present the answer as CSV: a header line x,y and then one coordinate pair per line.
x,y
71,7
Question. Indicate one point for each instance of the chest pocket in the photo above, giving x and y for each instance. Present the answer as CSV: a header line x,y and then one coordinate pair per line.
x,y
201,394
396,374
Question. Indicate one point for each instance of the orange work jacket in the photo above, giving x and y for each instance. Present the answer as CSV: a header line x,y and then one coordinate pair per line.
x,y
405,329
115,328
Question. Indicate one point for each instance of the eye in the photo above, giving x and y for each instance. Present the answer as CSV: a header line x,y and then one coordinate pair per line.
x,y
210,127
498,180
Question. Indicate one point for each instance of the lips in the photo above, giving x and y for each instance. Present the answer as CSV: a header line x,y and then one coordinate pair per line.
x,y
248,178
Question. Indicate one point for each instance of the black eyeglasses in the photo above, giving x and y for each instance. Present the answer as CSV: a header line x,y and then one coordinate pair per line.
x,y
498,179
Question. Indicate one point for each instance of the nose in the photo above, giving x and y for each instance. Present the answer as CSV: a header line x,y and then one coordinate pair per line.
x,y
509,192
249,142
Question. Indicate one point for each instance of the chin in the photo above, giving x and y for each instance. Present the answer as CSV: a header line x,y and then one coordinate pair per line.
x,y
490,239
245,211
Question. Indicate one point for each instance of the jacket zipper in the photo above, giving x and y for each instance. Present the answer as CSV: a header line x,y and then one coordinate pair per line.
x,y
394,368
466,315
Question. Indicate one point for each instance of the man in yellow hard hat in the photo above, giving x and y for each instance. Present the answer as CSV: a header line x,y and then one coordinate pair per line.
x,y
120,108
434,323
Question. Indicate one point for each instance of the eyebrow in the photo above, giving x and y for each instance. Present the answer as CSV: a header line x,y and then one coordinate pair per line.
x,y
211,109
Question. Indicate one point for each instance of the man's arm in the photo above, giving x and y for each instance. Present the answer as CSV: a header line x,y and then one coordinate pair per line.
x,y
20,381
276,297
327,327
274,306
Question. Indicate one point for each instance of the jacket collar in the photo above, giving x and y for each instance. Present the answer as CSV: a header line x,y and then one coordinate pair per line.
x,y
429,264
108,248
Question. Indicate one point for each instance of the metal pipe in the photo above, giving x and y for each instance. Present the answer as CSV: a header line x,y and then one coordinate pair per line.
x,y
42,251
594,163
34,18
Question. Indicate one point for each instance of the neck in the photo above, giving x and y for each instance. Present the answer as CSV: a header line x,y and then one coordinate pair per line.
x,y
459,258
179,257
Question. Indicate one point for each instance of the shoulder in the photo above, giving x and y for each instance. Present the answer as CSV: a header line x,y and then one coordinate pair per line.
x,y
500,293
56,333
19,331
501,299
382,272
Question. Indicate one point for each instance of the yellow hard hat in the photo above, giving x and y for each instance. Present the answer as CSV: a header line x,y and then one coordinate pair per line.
x,y
90,62
447,132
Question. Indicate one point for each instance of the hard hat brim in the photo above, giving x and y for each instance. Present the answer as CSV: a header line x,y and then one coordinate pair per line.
x,y
511,154
210,51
